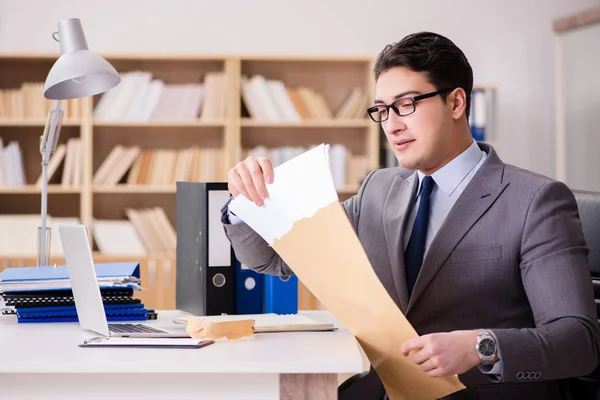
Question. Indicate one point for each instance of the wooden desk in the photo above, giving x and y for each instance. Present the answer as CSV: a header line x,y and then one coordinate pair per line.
x,y
44,361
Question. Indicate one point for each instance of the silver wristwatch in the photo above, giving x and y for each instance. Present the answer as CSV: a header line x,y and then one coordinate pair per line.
x,y
487,348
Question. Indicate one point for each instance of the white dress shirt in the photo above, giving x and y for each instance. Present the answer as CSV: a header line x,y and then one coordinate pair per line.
x,y
450,181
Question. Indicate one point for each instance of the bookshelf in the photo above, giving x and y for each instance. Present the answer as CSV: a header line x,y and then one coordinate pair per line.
x,y
232,116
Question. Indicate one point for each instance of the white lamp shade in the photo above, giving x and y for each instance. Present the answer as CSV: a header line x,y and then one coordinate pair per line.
x,y
78,72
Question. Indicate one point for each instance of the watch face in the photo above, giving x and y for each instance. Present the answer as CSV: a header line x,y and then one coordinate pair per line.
x,y
487,347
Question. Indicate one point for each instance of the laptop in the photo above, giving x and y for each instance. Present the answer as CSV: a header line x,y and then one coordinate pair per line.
x,y
86,291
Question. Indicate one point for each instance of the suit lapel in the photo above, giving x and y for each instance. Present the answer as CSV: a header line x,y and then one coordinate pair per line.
x,y
398,201
484,188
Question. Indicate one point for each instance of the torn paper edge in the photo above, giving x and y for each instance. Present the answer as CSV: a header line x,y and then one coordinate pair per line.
x,y
277,217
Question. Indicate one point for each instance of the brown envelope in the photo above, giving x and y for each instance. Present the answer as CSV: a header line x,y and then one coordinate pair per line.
x,y
339,274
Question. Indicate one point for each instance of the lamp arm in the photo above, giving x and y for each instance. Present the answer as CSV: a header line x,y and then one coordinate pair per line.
x,y
48,142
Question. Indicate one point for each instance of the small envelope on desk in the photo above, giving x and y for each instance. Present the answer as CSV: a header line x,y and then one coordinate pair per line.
x,y
199,328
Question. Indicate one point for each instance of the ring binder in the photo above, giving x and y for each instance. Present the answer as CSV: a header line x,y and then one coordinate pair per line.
x,y
205,259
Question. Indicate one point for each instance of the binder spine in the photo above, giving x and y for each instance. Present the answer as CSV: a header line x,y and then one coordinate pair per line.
x,y
249,290
281,294
205,259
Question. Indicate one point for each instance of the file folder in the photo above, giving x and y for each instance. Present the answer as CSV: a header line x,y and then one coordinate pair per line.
x,y
205,259
249,290
281,294
110,275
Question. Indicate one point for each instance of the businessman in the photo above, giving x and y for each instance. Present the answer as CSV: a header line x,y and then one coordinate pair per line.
x,y
487,261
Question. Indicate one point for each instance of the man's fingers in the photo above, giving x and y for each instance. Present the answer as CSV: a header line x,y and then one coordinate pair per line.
x,y
410,345
249,185
436,373
237,186
233,182
258,179
428,365
250,178
421,356
267,169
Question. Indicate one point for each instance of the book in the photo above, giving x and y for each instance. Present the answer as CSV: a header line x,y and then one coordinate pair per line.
x,y
269,322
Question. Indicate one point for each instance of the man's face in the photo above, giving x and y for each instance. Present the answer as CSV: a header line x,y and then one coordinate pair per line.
x,y
421,139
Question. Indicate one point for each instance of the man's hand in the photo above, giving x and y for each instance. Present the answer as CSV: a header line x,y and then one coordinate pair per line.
x,y
444,354
248,178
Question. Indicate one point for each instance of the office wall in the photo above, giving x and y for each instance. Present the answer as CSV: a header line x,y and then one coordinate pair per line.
x,y
510,43
581,94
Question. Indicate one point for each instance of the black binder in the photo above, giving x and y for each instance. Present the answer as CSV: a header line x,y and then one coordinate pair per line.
x,y
204,257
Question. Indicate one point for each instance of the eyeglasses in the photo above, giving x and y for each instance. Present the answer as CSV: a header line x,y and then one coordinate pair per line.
x,y
402,107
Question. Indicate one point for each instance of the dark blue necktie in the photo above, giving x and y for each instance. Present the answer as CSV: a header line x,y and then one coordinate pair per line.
x,y
413,256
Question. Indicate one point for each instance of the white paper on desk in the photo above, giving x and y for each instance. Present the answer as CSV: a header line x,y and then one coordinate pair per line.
x,y
300,187
306,225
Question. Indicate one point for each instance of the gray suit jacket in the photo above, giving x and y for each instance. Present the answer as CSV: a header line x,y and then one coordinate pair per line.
x,y
510,257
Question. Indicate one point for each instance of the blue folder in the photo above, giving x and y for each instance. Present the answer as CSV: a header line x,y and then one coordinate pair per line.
x,y
37,274
249,290
103,270
281,294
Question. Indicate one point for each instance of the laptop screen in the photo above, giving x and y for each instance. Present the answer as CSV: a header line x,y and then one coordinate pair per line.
x,y
82,274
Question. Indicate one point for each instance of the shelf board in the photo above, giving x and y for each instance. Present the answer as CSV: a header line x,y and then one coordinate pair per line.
x,y
326,123
33,189
30,259
187,56
34,122
306,57
149,189
122,188
154,124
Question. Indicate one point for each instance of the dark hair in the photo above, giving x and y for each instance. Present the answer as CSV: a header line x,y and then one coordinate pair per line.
x,y
443,63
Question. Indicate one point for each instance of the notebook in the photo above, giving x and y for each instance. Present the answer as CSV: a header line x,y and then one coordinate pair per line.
x,y
271,322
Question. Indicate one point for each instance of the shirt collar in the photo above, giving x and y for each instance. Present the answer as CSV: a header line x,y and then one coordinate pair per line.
x,y
452,174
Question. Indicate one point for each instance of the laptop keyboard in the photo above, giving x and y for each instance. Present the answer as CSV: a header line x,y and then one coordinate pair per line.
x,y
133,328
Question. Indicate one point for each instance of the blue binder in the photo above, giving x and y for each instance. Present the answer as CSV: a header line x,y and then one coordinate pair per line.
x,y
108,308
478,118
281,294
249,290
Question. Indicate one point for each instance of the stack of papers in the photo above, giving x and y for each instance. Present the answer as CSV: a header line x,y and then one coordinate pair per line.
x,y
44,294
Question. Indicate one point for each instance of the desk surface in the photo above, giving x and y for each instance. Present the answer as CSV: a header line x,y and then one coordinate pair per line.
x,y
54,348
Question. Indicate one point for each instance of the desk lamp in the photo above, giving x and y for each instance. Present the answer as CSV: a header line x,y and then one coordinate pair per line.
x,y
77,73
